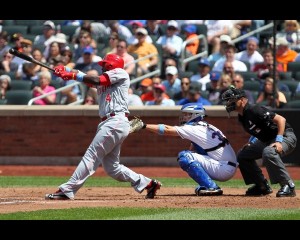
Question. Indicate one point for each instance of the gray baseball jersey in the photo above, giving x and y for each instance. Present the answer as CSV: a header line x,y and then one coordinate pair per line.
x,y
106,146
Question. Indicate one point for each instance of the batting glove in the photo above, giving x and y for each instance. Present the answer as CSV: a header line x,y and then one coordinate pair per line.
x,y
60,68
66,76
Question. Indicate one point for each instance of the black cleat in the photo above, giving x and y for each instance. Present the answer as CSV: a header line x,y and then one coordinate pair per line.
x,y
203,191
58,195
152,187
286,191
256,190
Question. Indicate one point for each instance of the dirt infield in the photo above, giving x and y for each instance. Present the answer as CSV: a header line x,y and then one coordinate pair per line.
x,y
30,199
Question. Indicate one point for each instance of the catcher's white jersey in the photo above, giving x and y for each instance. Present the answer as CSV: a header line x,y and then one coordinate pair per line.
x,y
207,136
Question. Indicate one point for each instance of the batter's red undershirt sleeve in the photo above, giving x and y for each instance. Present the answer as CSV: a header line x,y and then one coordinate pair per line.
x,y
104,80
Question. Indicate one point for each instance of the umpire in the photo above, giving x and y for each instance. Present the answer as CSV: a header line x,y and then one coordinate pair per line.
x,y
271,138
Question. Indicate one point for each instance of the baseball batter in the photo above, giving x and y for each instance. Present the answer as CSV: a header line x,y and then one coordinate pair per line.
x,y
112,89
210,156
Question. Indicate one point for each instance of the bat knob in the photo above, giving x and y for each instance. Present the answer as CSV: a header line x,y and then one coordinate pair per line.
x,y
11,51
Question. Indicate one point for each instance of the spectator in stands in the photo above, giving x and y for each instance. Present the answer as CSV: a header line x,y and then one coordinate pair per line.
x,y
228,68
170,62
271,99
146,88
72,22
224,41
171,42
47,36
4,46
239,28
154,29
135,24
16,40
230,56
7,65
112,44
194,95
213,88
115,26
185,86
190,33
89,50
88,61
44,87
96,29
251,54
216,28
159,97
54,55
134,99
203,76
267,64
143,49
27,49
129,64
238,82
284,54
67,55
172,82
85,39
5,85
291,33
91,93
223,85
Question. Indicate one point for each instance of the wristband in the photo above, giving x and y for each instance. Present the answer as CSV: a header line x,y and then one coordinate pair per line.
x,y
161,129
79,76
252,139
279,138
67,69
144,126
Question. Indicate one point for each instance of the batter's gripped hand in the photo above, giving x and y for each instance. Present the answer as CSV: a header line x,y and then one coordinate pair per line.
x,y
66,76
136,125
59,69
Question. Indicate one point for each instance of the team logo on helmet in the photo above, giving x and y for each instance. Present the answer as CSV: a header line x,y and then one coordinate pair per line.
x,y
112,61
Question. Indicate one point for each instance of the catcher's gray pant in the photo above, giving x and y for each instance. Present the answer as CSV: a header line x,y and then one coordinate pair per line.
x,y
105,148
271,159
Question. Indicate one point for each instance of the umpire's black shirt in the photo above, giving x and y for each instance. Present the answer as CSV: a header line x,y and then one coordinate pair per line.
x,y
257,121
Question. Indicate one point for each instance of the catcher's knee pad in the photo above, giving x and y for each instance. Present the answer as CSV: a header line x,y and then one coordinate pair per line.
x,y
195,170
185,158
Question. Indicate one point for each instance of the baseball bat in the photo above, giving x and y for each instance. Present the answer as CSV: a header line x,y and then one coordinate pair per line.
x,y
28,58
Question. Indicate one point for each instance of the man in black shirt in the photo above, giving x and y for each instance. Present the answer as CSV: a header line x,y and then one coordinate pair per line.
x,y
271,138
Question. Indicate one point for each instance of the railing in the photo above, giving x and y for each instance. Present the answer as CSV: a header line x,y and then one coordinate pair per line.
x,y
150,74
263,28
184,60
56,91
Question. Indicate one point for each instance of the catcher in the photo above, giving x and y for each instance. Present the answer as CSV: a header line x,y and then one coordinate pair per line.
x,y
210,156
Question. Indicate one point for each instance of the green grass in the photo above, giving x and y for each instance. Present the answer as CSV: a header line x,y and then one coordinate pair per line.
x,y
26,181
156,214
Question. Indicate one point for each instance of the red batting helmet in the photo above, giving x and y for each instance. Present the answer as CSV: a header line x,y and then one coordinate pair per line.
x,y
112,61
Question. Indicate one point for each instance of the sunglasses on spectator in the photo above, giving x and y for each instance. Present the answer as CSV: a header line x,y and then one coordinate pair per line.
x,y
139,34
236,81
119,46
172,28
111,38
83,36
185,83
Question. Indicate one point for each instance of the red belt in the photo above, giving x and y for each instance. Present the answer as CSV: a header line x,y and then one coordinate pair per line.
x,y
111,115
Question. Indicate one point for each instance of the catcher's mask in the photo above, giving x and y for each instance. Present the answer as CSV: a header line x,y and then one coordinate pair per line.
x,y
230,97
111,61
191,112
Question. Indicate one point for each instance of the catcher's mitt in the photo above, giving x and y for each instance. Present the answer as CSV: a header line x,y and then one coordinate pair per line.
x,y
136,125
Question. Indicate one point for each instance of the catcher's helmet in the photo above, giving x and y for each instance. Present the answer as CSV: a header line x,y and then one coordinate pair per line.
x,y
197,113
112,61
231,96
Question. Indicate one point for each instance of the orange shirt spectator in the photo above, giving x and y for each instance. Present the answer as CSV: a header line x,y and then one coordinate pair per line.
x,y
148,95
284,54
190,32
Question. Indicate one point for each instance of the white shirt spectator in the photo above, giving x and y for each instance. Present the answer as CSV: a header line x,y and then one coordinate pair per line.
x,y
203,80
238,66
256,57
